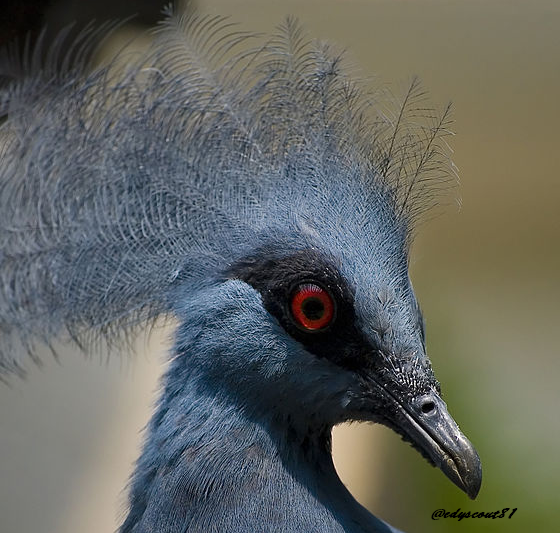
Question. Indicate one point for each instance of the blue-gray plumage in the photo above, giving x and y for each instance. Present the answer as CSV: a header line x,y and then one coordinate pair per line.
x,y
263,198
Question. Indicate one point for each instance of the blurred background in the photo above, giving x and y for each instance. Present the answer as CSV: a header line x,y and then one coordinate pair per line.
x,y
486,274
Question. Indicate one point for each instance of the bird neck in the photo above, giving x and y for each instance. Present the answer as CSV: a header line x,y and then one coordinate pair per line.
x,y
210,464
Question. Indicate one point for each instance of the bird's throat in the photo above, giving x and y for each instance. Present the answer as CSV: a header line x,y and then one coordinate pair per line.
x,y
208,461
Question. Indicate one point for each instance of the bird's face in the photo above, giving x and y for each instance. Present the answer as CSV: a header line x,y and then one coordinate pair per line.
x,y
364,357
321,326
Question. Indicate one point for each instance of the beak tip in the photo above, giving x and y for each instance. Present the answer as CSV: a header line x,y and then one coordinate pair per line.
x,y
473,483
472,491
461,464
469,473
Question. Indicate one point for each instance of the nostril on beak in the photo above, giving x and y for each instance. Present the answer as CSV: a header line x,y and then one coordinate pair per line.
x,y
427,406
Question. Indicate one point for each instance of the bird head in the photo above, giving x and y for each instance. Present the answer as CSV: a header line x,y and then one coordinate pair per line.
x,y
318,324
254,200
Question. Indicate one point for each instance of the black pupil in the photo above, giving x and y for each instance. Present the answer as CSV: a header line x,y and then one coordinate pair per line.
x,y
313,308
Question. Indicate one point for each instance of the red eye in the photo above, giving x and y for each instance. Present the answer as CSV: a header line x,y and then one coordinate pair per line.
x,y
312,307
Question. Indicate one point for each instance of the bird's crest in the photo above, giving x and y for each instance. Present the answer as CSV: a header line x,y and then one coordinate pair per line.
x,y
115,187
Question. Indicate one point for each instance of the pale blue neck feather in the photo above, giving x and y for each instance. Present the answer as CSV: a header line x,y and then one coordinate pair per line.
x,y
209,466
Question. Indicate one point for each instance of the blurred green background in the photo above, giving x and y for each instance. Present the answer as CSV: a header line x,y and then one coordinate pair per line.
x,y
486,274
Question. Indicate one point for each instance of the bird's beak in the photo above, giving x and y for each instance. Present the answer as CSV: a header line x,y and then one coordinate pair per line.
x,y
426,422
